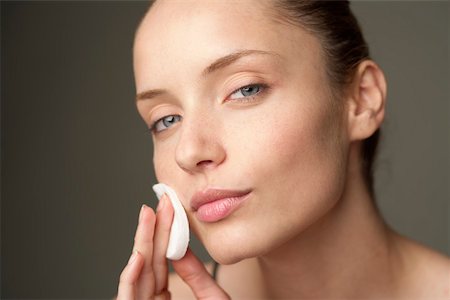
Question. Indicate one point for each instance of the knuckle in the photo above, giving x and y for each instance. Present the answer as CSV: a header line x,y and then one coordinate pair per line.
x,y
164,295
194,277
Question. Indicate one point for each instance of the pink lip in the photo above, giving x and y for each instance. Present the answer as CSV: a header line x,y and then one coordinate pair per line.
x,y
212,205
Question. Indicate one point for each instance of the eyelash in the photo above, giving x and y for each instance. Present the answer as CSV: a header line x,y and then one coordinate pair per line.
x,y
261,86
155,124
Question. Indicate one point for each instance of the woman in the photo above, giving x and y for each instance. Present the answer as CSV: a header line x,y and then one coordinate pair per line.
x,y
272,109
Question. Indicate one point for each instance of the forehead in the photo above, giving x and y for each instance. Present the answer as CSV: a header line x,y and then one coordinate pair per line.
x,y
180,20
189,33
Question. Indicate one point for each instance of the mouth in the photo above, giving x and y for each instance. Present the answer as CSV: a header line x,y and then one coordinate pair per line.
x,y
212,205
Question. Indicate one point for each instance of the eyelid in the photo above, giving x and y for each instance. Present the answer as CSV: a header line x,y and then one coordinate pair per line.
x,y
152,127
264,88
154,124
159,112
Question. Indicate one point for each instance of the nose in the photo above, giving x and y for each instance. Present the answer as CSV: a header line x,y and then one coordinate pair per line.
x,y
199,147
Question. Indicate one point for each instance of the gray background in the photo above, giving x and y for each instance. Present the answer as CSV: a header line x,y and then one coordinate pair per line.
x,y
76,159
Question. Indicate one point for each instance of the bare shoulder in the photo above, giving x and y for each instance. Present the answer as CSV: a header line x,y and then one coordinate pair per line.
x,y
436,268
428,271
179,289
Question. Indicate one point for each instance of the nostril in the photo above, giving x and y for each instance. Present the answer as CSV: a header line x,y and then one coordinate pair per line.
x,y
204,163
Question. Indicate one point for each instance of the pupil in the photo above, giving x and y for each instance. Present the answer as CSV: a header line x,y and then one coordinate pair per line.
x,y
249,90
169,121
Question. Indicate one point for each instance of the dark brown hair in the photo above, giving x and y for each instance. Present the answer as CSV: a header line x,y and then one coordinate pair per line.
x,y
344,47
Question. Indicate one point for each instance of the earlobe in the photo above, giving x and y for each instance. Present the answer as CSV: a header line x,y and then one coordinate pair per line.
x,y
366,101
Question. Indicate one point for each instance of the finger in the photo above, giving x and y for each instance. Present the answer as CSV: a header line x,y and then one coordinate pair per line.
x,y
194,273
129,276
164,295
143,242
164,217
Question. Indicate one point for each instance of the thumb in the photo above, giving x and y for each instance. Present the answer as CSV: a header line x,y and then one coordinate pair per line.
x,y
194,273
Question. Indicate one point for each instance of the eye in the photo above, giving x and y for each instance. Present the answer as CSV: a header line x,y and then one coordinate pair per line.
x,y
247,91
165,122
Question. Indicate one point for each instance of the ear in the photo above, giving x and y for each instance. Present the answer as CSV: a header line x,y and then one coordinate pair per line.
x,y
366,99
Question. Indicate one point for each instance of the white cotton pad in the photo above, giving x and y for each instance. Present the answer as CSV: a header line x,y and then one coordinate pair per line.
x,y
179,232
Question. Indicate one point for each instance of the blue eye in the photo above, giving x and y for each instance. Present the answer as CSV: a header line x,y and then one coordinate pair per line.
x,y
247,91
165,122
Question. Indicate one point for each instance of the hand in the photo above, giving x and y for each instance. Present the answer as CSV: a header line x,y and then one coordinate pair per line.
x,y
146,274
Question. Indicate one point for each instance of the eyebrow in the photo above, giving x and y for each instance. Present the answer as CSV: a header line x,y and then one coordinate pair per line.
x,y
227,60
219,63
150,94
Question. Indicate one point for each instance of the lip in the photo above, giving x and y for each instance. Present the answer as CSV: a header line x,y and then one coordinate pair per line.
x,y
212,205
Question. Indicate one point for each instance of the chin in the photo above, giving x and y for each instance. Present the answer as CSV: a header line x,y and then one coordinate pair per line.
x,y
226,255
231,246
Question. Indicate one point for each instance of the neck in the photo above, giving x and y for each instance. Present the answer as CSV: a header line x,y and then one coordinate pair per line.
x,y
347,254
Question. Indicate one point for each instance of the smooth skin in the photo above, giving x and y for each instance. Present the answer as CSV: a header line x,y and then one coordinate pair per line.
x,y
310,228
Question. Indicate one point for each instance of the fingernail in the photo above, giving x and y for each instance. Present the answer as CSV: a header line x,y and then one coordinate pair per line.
x,y
133,257
161,203
141,213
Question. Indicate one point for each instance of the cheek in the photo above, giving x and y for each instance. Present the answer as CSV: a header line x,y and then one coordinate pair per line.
x,y
299,157
292,135
164,163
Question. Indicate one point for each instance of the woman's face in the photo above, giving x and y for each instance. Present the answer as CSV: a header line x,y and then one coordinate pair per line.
x,y
240,101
